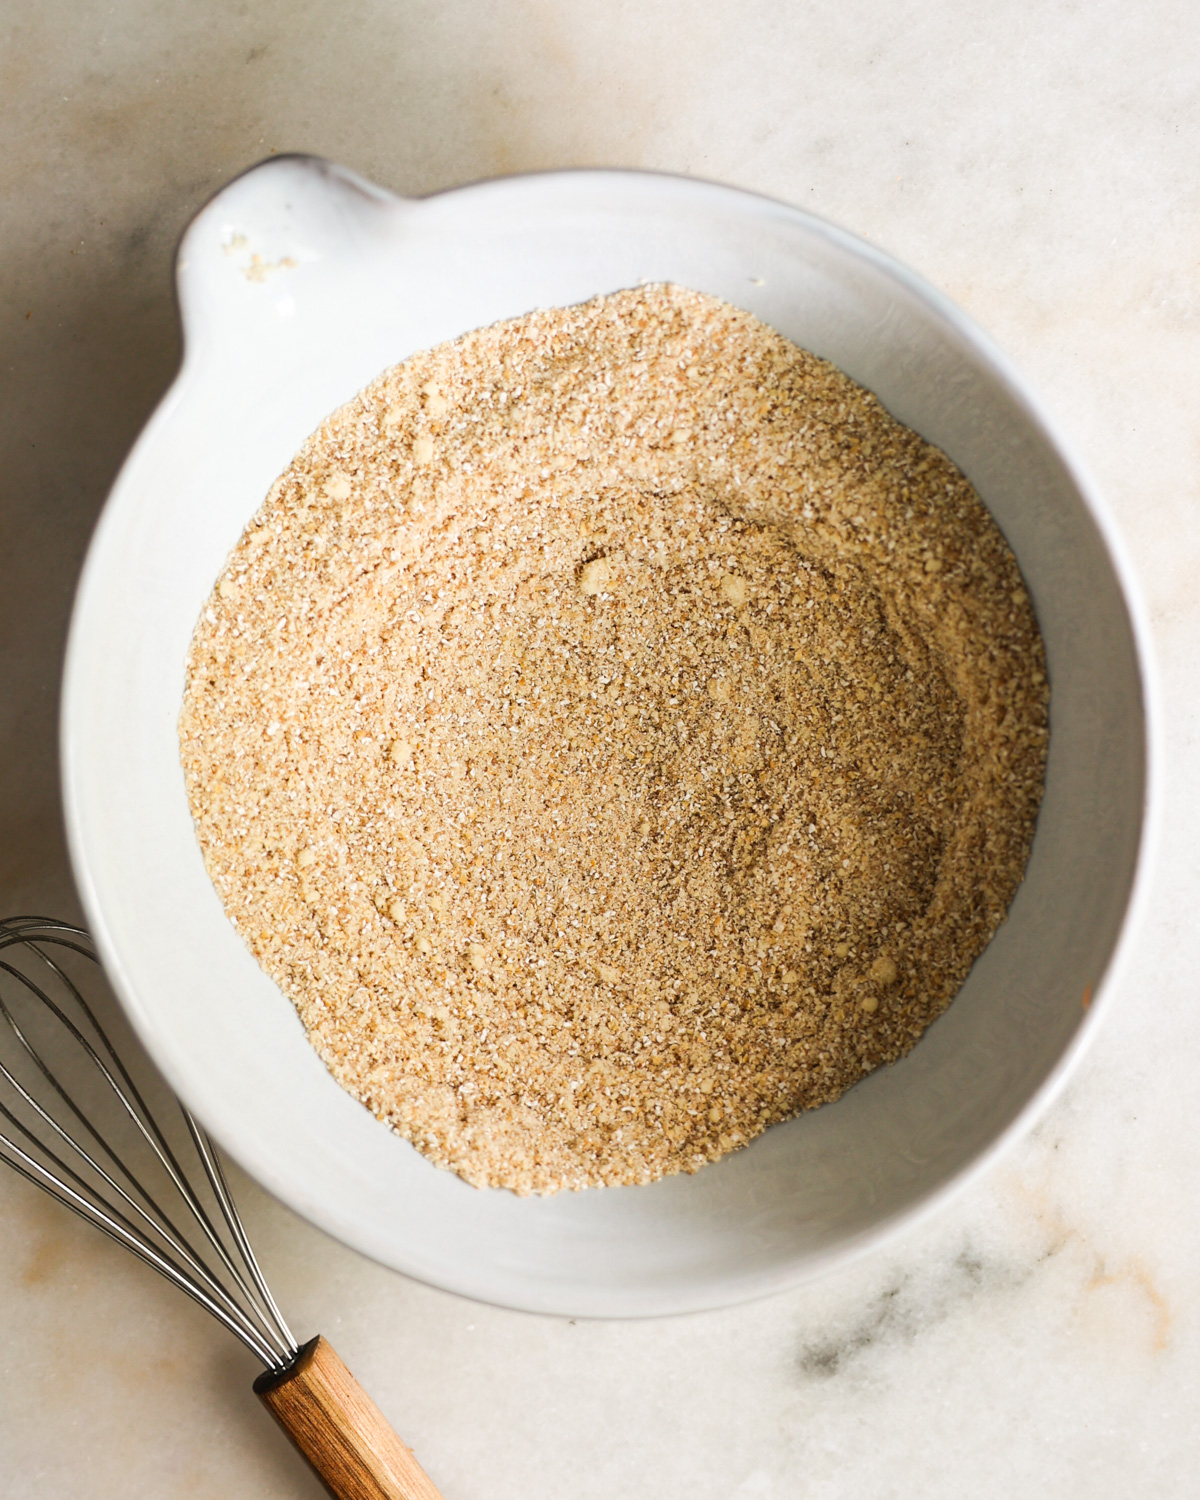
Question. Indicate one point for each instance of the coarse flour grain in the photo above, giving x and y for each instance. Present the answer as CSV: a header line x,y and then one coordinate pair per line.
x,y
615,733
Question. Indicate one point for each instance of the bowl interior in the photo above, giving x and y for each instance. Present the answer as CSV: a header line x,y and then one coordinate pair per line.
x,y
298,284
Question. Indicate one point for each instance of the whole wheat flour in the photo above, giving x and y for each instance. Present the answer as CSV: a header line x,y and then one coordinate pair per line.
x,y
615,733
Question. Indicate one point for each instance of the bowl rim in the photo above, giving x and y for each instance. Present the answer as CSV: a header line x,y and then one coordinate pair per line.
x,y
891,1227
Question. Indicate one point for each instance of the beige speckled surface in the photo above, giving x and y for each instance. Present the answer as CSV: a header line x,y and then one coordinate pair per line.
x,y
1042,1337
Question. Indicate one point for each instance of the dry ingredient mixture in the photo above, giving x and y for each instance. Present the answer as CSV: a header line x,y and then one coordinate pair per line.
x,y
615,733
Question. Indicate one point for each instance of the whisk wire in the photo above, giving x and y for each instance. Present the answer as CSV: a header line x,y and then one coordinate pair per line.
x,y
33,1171
158,1221
216,1177
167,1225
166,1228
145,1122
247,1307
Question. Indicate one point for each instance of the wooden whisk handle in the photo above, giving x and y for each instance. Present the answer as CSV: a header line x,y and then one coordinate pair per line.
x,y
340,1430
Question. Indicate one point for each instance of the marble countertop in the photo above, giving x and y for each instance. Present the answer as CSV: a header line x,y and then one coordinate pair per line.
x,y
1037,161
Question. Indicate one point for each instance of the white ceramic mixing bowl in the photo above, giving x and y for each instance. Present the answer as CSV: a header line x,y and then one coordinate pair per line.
x,y
298,284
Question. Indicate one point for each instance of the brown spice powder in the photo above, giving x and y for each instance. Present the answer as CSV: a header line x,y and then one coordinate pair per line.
x,y
615,733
